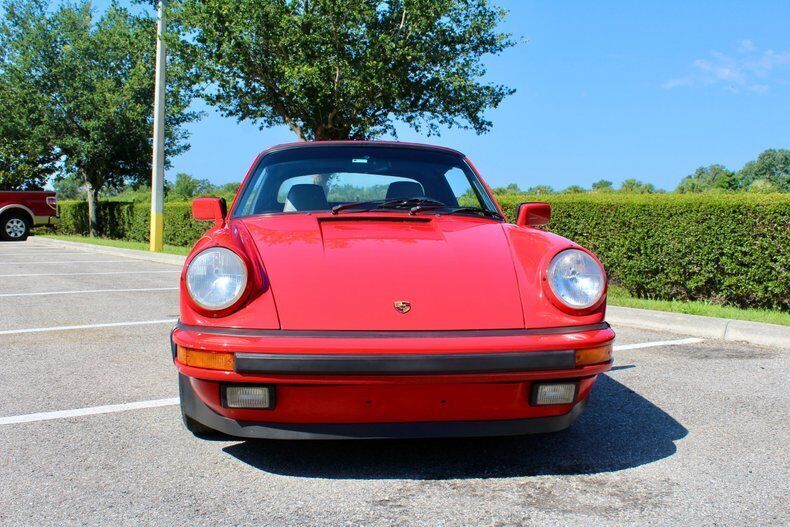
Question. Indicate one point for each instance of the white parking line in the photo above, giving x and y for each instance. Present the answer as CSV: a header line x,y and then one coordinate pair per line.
x,y
656,343
86,274
88,326
40,253
110,408
46,416
88,291
130,260
16,249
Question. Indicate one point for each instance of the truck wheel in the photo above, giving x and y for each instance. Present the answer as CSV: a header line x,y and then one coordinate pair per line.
x,y
14,227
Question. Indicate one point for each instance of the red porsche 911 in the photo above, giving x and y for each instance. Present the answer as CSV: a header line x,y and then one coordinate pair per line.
x,y
376,290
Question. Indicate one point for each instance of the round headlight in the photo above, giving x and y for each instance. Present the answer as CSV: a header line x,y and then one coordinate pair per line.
x,y
216,278
576,279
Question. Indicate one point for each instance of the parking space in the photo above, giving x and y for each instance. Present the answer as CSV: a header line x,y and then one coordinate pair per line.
x,y
682,431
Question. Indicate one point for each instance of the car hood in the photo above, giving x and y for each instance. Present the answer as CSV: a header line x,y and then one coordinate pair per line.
x,y
347,272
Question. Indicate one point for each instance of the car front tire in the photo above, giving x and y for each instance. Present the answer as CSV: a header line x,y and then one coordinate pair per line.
x,y
14,227
197,429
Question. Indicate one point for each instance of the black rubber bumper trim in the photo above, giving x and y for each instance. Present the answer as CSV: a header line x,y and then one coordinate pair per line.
x,y
197,410
286,333
404,364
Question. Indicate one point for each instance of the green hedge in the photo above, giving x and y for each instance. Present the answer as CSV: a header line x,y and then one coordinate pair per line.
x,y
129,221
726,249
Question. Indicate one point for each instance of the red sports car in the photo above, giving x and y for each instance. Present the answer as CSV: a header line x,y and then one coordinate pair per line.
x,y
372,290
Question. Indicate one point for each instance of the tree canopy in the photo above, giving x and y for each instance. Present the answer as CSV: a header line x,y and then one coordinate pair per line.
x,y
96,76
603,185
345,69
770,172
770,169
635,186
27,156
709,178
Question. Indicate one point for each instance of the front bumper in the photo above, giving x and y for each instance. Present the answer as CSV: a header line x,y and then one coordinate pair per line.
x,y
195,408
334,385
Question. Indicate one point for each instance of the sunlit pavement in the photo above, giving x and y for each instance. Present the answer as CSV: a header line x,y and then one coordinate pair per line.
x,y
679,433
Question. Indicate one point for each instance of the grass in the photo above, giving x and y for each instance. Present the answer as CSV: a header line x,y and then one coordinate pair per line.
x,y
142,246
618,296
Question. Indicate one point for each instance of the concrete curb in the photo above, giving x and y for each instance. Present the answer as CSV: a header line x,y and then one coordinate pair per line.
x,y
694,325
171,259
699,326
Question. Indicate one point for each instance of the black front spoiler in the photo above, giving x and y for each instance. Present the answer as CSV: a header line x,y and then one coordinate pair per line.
x,y
200,412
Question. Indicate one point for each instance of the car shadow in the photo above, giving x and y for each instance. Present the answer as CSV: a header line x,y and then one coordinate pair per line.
x,y
620,429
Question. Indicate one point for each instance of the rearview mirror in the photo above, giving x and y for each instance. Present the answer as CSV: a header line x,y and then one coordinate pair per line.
x,y
210,209
533,214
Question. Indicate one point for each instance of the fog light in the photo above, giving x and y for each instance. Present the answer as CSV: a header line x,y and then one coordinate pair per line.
x,y
554,393
247,397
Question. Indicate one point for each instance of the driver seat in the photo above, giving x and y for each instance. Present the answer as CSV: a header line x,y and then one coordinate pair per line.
x,y
405,190
306,196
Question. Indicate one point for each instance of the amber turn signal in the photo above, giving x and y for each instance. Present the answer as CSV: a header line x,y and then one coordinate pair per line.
x,y
211,360
597,355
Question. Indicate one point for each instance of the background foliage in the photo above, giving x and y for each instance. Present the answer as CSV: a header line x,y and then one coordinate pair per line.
x,y
80,88
344,69
723,248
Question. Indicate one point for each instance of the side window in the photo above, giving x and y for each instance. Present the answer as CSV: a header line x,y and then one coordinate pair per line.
x,y
462,189
250,197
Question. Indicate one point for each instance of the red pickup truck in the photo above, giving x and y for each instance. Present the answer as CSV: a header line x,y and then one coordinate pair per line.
x,y
21,210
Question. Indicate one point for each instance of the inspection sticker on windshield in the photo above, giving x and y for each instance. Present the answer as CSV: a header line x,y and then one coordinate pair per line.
x,y
359,160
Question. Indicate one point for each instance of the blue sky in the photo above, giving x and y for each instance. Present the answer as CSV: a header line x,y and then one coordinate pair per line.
x,y
605,90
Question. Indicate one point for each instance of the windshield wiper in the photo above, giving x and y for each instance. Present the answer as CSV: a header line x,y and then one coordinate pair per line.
x,y
455,210
477,210
378,204
357,204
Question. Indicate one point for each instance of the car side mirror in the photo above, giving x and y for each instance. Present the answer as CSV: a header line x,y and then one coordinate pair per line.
x,y
533,214
210,209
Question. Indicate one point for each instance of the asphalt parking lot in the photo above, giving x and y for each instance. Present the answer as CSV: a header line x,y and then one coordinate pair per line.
x,y
682,432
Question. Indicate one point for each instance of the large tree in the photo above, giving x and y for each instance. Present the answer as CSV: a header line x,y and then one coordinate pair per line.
x,y
634,186
713,177
603,185
345,69
97,75
187,187
27,157
771,169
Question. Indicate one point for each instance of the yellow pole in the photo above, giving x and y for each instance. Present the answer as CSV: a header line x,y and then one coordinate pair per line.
x,y
158,164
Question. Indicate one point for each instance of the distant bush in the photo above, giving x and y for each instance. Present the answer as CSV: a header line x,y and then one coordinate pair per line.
x,y
725,248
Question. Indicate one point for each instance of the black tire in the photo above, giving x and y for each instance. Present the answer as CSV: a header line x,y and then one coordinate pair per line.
x,y
14,227
197,429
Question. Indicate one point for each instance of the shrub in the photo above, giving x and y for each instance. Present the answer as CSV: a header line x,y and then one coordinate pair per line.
x,y
723,248
129,221
114,216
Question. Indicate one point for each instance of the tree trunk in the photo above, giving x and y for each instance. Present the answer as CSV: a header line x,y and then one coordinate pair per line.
x,y
93,210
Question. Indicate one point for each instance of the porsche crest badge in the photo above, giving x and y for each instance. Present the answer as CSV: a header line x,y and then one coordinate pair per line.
x,y
402,306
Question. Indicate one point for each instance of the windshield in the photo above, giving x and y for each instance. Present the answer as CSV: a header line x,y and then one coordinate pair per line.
x,y
349,178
